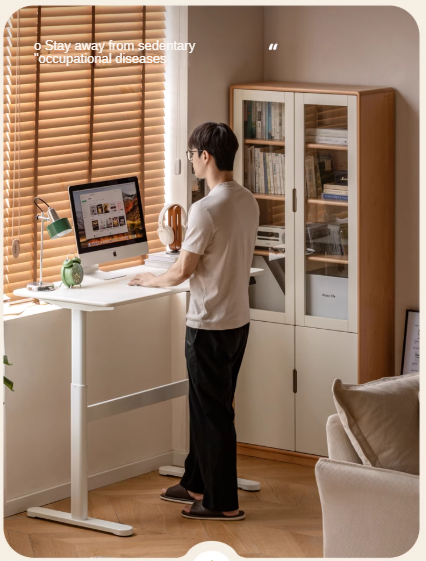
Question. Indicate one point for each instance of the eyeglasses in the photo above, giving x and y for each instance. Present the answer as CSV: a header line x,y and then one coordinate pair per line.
x,y
190,154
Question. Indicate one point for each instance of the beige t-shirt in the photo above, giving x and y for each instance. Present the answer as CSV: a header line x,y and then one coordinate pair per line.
x,y
222,228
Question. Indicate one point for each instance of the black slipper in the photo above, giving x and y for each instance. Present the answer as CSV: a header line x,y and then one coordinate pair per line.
x,y
198,512
177,494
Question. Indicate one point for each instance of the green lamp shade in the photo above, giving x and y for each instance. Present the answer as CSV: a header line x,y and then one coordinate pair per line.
x,y
59,228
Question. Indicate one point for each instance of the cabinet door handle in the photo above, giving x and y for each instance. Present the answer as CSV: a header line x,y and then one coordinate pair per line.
x,y
294,381
294,200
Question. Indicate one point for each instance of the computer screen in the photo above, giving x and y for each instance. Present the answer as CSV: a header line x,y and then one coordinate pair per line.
x,y
107,214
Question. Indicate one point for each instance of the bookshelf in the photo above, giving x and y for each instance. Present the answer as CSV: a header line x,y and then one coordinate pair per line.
x,y
319,160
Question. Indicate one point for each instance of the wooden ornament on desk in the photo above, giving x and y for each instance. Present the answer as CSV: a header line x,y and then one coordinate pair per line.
x,y
175,222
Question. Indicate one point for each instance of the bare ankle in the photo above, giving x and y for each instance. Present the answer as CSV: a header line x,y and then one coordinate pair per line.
x,y
231,512
196,496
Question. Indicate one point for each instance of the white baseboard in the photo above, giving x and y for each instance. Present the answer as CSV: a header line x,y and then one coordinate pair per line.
x,y
47,496
179,458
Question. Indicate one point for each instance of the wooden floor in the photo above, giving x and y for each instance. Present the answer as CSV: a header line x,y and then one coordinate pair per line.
x,y
283,519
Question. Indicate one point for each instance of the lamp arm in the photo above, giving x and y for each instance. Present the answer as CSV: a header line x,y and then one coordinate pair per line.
x,y
44,202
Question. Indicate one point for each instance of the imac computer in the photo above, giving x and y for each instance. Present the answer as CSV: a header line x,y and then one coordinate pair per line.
x,y
108,223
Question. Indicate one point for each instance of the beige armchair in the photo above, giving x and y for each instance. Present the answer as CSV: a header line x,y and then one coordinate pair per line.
x,y
367,511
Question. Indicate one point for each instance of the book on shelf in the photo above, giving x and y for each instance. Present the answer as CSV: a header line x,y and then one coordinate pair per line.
x,y
259,169
268,134
311,189
276,173
335,192
341,133
313,180
258,119
333,197
335,186
280,173
247,119
270,174
251,168
253,119
335,189
264,171
256,183
327,140
325,166
264,120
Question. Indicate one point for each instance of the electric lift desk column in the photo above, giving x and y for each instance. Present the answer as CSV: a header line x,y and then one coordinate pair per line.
x,y
94,296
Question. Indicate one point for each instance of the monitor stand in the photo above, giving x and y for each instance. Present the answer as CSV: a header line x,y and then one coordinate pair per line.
x,y
93,272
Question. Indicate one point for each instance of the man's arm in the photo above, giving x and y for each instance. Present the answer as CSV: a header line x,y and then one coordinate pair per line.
x,y
178,272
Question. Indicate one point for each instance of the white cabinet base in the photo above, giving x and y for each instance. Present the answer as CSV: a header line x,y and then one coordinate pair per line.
x,y
322,356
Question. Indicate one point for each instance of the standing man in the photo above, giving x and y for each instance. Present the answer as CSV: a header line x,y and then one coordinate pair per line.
x,y
216,255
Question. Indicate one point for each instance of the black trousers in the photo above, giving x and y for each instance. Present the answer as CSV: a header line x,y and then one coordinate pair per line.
x,y
213,359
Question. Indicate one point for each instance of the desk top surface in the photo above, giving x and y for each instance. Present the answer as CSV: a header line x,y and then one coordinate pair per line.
x,y
107,294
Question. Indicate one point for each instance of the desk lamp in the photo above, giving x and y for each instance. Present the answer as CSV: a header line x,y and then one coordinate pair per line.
x,y
57,228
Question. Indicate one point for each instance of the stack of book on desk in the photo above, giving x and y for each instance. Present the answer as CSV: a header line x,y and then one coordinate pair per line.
x,y
162,259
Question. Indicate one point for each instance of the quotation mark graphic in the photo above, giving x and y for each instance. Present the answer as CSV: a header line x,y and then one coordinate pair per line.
x,y
273,46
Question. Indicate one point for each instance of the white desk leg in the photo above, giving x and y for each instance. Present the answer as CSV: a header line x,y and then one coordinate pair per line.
x,y
79,473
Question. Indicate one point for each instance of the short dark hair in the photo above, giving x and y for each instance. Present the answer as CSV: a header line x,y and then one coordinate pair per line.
x,y
218,140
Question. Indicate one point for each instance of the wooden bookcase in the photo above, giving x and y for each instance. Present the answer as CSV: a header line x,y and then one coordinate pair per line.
x,y
330,313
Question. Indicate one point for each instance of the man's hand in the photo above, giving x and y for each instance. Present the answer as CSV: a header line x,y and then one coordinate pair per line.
x,y
178,272
143,279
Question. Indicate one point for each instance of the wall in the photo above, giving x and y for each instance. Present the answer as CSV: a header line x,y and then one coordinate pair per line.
x,y
228,50
364,46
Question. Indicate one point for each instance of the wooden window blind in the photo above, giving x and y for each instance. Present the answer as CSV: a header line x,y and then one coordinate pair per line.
x,y
67,125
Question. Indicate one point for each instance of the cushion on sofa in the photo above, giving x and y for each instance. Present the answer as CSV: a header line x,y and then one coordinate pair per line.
x,y
381,419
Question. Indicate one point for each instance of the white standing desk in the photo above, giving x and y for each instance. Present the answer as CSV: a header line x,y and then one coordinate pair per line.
x,y
94,296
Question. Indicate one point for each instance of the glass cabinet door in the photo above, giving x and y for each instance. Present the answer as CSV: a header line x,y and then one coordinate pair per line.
x,y
263,123
326,180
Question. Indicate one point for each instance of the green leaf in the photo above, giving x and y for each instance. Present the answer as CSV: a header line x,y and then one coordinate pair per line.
x,y
6,361
8,383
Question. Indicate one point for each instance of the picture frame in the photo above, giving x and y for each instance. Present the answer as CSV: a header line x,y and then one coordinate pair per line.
x,y
411,347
